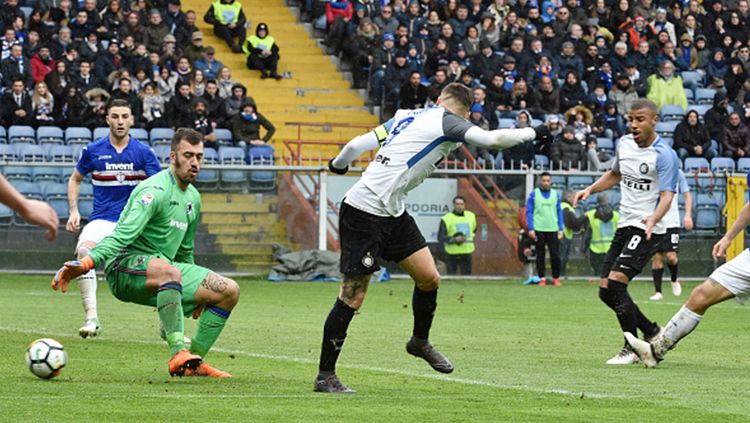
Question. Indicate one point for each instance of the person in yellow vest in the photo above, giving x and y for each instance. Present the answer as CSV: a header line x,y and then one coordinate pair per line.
x,y
456,233
228,21
603,225
571,224
262,52
545,219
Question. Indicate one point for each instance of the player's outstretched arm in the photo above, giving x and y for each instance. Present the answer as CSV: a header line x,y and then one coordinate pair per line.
x,y
32,211
605,182
352,150
500,139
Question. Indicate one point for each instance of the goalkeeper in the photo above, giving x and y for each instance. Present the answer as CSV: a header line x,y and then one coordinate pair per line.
x,y
149,259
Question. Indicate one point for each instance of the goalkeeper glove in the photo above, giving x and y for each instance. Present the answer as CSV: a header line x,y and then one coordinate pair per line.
x,y
336,170
71,270
543,134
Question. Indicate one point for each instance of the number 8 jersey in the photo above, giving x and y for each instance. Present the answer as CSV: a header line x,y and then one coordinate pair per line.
x,y
411,146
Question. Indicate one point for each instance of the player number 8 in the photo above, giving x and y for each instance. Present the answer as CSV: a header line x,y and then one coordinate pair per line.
x,y
634,241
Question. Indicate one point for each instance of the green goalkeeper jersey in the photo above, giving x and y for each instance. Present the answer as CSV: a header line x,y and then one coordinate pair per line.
x,y
159,219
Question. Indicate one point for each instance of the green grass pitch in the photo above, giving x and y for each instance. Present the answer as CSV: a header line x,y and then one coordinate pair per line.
x,y
521,354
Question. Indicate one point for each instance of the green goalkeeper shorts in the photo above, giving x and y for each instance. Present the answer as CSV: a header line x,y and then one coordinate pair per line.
x,y
126,276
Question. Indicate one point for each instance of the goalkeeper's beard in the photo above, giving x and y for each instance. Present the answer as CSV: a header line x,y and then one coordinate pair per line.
x,y
185,176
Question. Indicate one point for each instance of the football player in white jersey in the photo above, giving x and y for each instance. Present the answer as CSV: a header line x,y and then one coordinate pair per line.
x,y
646,169
671,245
374,224
730,280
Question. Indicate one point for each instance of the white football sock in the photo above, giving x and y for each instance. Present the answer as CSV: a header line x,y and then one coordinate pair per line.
x,y
680,326
87,284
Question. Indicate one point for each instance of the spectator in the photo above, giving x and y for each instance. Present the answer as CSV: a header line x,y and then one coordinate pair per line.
x,y
96,108
438,57
59,46
413,18
140,80
80,27
662,23
716,117
214,103
542,68
358,49
545,220
396,75
668,53
109,61
580,118
691,138
169,53
488,29
113,19
72,107
153,107
566,151
15,66
381,58
487,62
184,32
232,103
480,97
183,69
246,126
598,159
58,79
196,50
568,61
609,123
90,48
225,82
8,11
175,17
413,95
520,96
520,156
201,122
262,52
736,138
41,64
687,53
571,93
623,93
180,107
637,79
42,105
643,59
456,233
166,83
666,88
156,32
547,97
716,69
338,14
386,20
229,22
734,80
197,83
125,91
439,81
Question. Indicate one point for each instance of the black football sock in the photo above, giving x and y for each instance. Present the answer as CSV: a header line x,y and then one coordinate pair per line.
x,y
606,296
673,270
623,305
423,304
657,274
334,333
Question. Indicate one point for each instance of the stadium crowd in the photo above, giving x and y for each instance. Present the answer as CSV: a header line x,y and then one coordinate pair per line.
x,y
577,65
61,61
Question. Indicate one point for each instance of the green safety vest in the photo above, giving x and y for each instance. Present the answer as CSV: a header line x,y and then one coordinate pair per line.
x,y
602,232
567,231
545,211
260,43
227,13
465,224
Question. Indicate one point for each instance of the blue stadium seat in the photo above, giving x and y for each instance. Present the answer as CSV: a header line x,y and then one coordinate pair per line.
x,y
671,112
691,78
67,172
223,137
50,135
210,156
45,173
231,155
559,182
55,190
261,155
701,109
18,173
100,132
7,152
162,152
140,134
21,133
6,215
29,189
690,96
232,179
30,152
87,191
85,207
704,96
77,135
61,153
60,205
208,178
536,122
722,164
160,136
77,148
505,123
3,135
579,182
606,144
541,161
696,164
666,129
743,165
707,212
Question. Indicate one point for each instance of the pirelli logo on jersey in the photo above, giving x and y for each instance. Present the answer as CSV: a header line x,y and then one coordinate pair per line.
x,y
641,184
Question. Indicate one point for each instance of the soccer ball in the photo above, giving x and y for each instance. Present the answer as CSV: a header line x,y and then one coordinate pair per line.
x,y
46,358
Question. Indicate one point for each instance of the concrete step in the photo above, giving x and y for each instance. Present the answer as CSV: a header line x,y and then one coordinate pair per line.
x,y
260,217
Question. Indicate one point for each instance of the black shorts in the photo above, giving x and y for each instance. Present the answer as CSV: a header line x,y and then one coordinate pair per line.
x,y
630,251
671,241
365,237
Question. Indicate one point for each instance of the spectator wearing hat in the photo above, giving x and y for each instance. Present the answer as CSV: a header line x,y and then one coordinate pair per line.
x,y
156,32
246,126
174,17
42,64
233,103
488,29
381,58
396,75
229,22
412,18
262,52
661,23
687,53
208,63
566,151
486,63
109,61
413,95
196,49
666,88
623,93
691,138
736,137
568,61
184,32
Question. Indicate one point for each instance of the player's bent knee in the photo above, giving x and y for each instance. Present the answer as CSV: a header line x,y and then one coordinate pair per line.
x,y
429,283
232,293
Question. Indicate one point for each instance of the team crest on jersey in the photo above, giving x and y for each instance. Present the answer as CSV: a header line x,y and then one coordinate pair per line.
x,y
368,260
139,261
643,168
147,199
120,177
189,208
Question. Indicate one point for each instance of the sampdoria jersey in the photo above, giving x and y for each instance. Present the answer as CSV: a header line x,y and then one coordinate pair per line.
x,y
645,172
114,175
411,146
159,218
672,218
